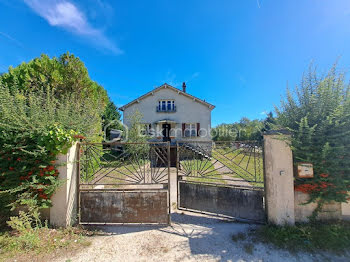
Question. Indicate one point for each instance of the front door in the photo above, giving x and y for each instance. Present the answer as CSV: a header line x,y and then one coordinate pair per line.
x,y
166,132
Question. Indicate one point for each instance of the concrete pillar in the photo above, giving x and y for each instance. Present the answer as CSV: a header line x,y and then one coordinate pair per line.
x,y
63,212
279,180
173,189
345,211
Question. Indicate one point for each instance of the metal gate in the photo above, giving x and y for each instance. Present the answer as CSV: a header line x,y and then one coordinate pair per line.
x,y
124,183
222,178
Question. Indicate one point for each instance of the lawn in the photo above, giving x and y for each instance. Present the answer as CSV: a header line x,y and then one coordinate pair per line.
x,y
201,171
245,163
105,166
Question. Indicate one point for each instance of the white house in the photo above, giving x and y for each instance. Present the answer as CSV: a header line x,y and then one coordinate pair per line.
x,y
171,114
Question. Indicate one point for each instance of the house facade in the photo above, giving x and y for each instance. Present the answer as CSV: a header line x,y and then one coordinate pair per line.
x,y
171,114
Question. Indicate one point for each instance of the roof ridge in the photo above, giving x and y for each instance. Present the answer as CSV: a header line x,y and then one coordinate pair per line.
x,y
165,85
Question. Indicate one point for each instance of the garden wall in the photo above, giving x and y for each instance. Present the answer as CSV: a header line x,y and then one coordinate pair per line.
x,y
285,205
330,211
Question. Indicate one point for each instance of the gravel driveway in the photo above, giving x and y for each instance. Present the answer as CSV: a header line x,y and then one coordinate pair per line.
x,y
191,237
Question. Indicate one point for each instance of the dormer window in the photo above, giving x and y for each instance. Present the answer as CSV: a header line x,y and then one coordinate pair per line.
x,y
166,106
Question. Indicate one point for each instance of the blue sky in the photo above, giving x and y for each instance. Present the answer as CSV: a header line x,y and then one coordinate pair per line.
x,y
237,55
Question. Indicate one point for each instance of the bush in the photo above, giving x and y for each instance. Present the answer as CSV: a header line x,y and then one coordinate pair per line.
x,y
34,129
318,116
45,105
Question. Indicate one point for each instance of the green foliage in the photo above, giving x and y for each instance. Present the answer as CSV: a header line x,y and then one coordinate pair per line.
x,y
243,130
45,105
27,167
29,237
111,118
67,90
26,220
65,75
318,116
334,237
139,147
269,123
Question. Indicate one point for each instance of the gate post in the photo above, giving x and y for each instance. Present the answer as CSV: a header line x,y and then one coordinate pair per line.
x,y
279,179
64,211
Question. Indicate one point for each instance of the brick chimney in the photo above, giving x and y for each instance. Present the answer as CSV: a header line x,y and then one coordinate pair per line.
x,y
184,87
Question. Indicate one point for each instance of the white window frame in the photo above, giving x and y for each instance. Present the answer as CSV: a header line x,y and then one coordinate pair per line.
x,y
166,102
190,130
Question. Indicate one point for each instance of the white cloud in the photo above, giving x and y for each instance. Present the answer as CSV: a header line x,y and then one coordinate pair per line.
x,y
65,14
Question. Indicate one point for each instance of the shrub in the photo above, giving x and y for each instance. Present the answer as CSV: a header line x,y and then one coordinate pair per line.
x,y
34,129
318,116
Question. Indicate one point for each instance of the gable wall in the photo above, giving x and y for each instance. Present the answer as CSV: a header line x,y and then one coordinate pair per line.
x,y
187,110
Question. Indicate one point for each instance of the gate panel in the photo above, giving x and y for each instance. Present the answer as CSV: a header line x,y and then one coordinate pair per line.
x,y
124,207
124,183
233,202
225,178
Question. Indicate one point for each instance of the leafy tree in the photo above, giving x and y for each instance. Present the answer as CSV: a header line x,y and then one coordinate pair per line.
x,y
243,130
111,118
318,115
66,74
138,146
65,78
269,123
45,105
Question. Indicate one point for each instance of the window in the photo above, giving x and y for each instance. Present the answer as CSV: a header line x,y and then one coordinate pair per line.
x,y
166,106
190,130
169,106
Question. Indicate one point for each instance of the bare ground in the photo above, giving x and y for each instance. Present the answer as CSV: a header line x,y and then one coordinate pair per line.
x,y
191,237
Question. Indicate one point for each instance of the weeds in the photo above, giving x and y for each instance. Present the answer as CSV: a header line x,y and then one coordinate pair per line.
x,y
238,237
333,237
249,248
29,236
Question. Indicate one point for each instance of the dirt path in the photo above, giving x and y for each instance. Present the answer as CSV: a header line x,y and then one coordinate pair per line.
x,y
190,238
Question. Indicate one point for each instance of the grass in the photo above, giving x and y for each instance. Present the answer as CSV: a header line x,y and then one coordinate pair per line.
x,y
117,174
123,174
202,171
40,243
331,237
243,163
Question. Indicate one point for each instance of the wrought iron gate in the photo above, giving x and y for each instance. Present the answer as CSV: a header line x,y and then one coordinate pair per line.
x,y
223,178
123,183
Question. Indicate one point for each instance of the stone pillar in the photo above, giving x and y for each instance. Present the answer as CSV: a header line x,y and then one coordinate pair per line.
x,y
279,180
63,212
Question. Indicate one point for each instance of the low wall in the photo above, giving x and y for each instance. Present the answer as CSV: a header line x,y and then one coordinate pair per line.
x,y
330,211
